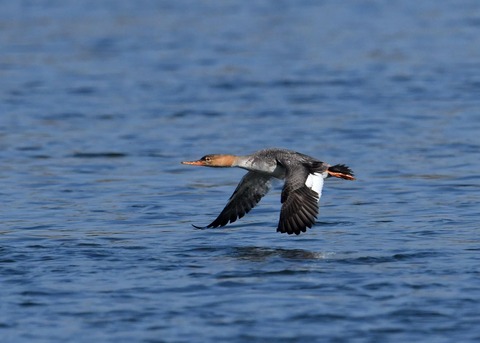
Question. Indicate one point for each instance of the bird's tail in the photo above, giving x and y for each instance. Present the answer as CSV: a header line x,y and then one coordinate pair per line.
x,y
341,171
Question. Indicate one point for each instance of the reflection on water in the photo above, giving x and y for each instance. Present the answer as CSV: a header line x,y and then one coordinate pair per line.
x,y
261,254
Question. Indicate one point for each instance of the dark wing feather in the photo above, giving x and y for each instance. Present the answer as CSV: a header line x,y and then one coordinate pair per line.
x,y
299,203
246,196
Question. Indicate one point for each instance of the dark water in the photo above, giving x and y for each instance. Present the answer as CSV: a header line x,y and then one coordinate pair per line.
x,y
100,101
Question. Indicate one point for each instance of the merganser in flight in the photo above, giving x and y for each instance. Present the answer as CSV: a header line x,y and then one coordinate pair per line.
x,y
301,192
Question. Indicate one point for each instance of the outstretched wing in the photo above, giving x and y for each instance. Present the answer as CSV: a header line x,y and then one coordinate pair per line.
x,y
300,196
246,196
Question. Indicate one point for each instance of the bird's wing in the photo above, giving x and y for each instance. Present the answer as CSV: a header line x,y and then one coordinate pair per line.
x,y
300,195
246,196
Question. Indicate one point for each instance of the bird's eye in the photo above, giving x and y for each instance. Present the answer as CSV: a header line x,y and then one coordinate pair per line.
x,y
208,159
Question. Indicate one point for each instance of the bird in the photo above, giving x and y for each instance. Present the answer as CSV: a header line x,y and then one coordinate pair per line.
x,y
303,183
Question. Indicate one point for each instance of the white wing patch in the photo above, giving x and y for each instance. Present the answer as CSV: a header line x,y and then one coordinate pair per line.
x,y
315,182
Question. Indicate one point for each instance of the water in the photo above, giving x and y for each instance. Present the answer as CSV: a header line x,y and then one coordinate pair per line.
x,y
100,101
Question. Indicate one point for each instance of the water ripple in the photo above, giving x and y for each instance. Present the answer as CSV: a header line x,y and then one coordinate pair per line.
x,y
101,102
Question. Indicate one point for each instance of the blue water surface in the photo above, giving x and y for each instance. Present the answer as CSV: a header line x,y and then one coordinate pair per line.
x,y
100,101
